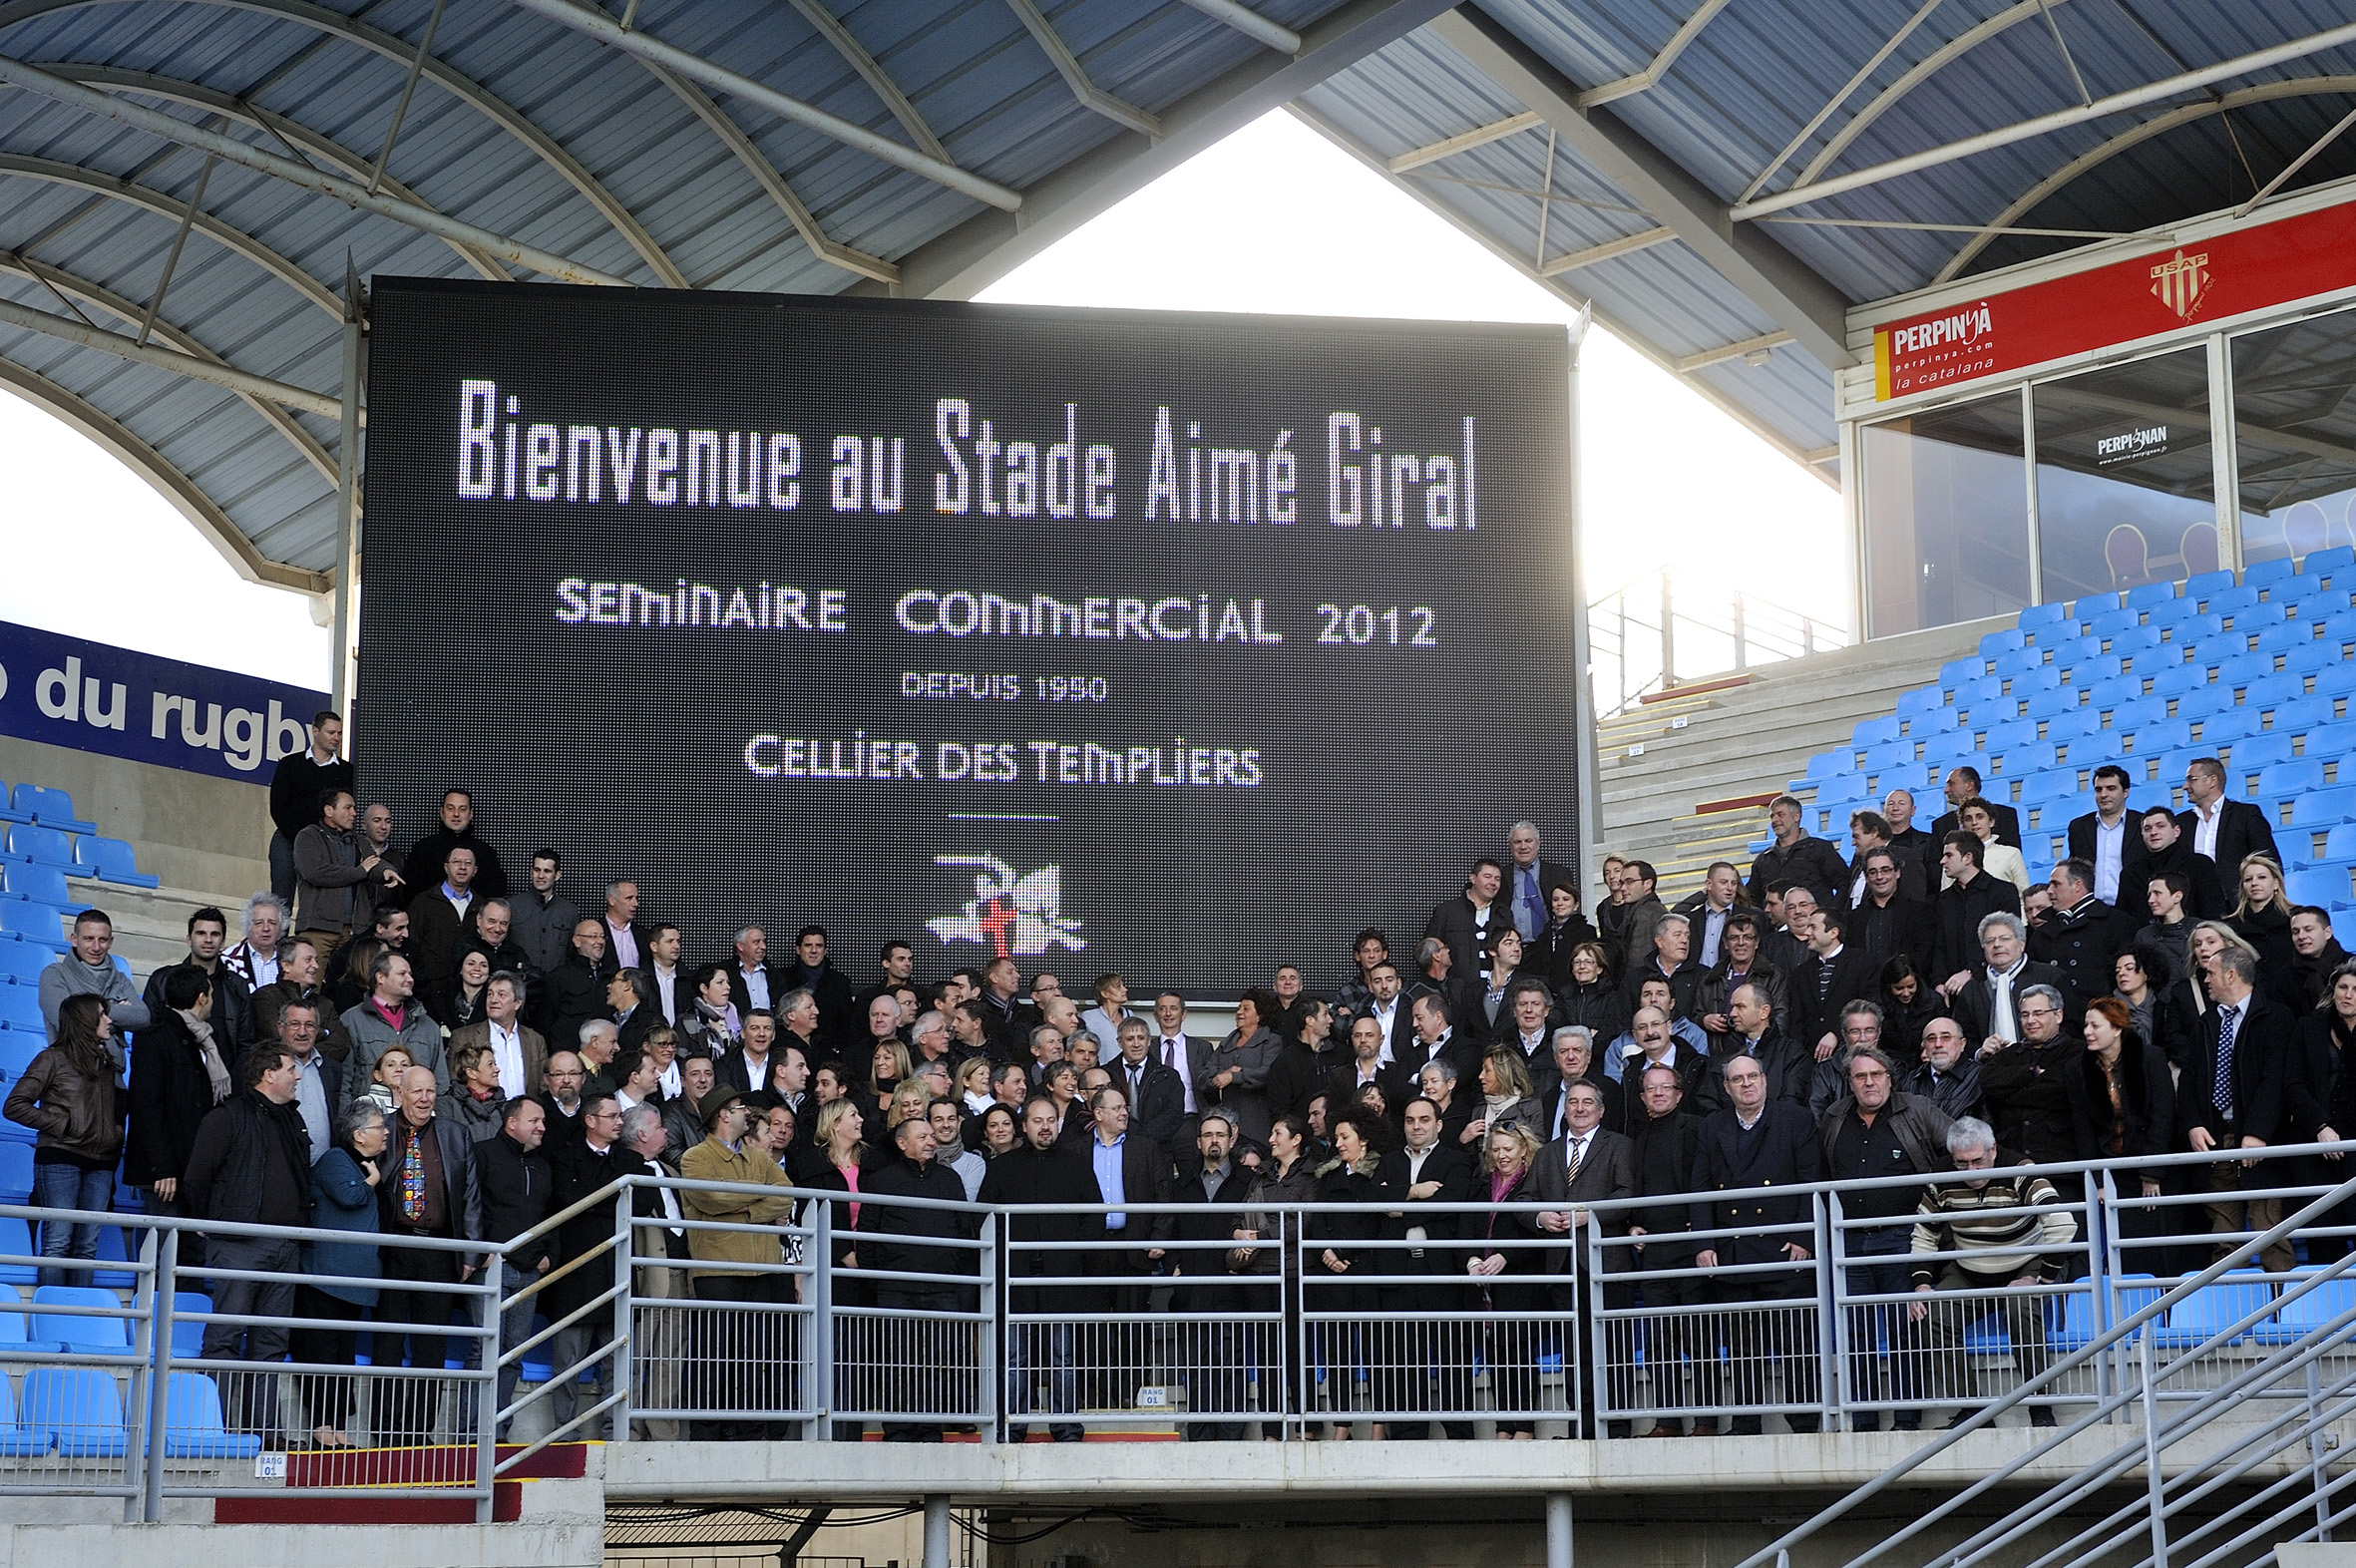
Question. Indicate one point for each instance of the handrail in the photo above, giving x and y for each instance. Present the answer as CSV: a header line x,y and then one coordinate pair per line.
x,y
2118,1334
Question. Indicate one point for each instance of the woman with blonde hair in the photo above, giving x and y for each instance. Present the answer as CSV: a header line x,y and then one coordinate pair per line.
x,y
2262,917
1507,1156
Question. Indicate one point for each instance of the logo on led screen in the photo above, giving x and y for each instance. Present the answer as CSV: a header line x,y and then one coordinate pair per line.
x,y
1014,916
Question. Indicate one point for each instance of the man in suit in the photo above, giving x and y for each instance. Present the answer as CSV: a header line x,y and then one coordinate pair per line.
x,y
1834,975
1760,1141
1797,857
1219,1353
1869,829
1963,909
1664,1141
430,1188
1365,1065
1626,921
522,1052
1435,1038
2224,830
1962,784
1885,922
1530,879
1467,921
1182,1053
1388,1006
2230,1097
1788,1067
1710,909
2079,934
1586,1165
2107,840
1436,1170
668,982
1157,1100
1574,1063
2026,1084
1988,1005
751,982
1661,1048
1671,959
1128,1168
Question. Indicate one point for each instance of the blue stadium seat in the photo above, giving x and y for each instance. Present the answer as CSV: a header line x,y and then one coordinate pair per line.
x,y
2037,615
1996,644
2213,651
110,860
2033,756
2103,745
77,1410
2231,602
2327,562
2182,680
2173,763
16,1173
2253,752
2058,784
2340,842
2304,714
1958,671
1832,764
20,1008
2316,657
2071,725
90,1335
2134,713
2274,690
1984,688
15,1441
2148,595
2002,737
2090,606
1936,721
22,961
192,1425
51,808
2267,571
2327,885
2286,779
43,884
2109,623
47,846
2018,663
1920,702
2088,666
2163,735
2242,668
188,1333
2043,679
2321,1307
2316,604
2189,630
2216,1306
1875,732
2281,639
16,1241
2222,729
1990,712
1898,754
33,923
1956,746
13,1337
2053,703
2133,642
2339,680
2327,808
2205,584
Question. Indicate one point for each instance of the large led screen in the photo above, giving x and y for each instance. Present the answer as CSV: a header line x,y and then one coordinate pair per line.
x,y
1176,645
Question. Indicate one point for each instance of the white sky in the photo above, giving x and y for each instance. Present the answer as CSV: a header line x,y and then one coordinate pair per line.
x,y
91,550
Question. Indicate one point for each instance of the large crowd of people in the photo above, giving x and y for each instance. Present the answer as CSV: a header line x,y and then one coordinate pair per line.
x,y
413,1043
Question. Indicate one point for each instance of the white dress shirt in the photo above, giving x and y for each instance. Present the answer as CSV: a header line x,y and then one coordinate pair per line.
x,y
2110,856
507,1044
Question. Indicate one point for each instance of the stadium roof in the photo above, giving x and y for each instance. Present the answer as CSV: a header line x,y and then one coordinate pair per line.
x,y
181,181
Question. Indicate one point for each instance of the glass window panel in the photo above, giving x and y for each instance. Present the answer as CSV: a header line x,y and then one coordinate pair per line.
x,y
2126,482
2294,428
1946,516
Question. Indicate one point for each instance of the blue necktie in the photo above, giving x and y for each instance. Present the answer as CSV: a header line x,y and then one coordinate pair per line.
x,y
2228,1021
1533,919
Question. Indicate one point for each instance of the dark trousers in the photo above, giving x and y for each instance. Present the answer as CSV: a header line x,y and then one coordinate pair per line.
x,y
1871,1327
332,1341
1672,1338
935,1351
1784,1331
250,1400
1431,1369
411,1326
736,1364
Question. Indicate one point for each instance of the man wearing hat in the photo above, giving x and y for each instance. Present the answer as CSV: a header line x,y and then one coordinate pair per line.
x,y
738,1366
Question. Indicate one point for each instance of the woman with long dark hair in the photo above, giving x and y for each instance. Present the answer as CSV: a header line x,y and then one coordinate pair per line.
x,y
1336,1254
2319,1098
67,1096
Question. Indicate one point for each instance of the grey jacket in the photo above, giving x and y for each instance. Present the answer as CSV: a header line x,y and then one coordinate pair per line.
x,y
333,893
70,976
544,933
371,1036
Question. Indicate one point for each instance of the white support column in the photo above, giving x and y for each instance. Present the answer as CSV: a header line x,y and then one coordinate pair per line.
x,y
347,500
936,1531
1558,1530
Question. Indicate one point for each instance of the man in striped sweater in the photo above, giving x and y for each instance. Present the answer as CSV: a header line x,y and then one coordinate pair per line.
x,y
2004,1252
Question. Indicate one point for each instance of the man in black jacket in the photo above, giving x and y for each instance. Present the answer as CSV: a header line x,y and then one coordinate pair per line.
x,y
1885,922
1041,1181
1758,1141
176,1081
575,989
1157,1100
582,1170
1963,783
1797,858
430,854
1789,1066
1665,1144
1834,975
232,1002
1433,1170
2027,1084
251,1165
1671,959
2230,1097
2226,831
1220,1352
518,1193
1962,906
1587,1164
1949,1077
1988,1005
295,787
2167,847
1467,921
2079,934
840,1021
902,1240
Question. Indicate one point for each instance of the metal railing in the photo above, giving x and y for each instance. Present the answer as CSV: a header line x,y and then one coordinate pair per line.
x,y
1660,630
1791,1303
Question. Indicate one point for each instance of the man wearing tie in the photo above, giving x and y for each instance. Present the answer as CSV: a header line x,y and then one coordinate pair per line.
x,y
1156,1093
1586,1165
2230,1097
1439,1171
1176,1051
1531,880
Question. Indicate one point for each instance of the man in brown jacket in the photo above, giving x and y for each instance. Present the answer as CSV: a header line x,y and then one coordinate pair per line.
x,y
521,1053
742,1359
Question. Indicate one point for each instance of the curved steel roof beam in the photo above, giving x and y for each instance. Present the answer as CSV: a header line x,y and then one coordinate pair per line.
x,y
174,484
1251,24
1931,65
227,236
1075,74
294,171
451,80
292,132
805,222
2157,125
130,311
593,23
873,74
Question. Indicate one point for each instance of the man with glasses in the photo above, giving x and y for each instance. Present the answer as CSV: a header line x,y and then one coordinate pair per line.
x,y
2010,1255
2027,1084
1890,920
1949,1077
1876,1131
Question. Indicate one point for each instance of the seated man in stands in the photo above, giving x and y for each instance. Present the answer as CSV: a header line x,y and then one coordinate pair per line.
x,y
1949,1077
2008,1258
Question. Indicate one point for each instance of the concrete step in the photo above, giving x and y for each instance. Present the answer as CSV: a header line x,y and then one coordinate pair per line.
x,y
152,924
